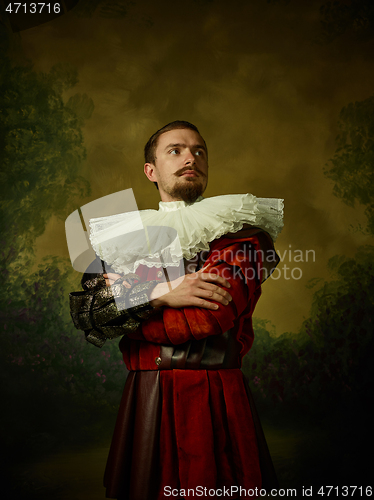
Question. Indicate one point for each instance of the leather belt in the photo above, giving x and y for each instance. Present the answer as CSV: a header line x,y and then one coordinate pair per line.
x,y
212,353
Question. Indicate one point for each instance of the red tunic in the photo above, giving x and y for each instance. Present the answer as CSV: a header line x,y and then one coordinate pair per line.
x,y
185,420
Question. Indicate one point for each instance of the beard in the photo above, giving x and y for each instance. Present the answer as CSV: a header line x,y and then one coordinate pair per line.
x,y
188,191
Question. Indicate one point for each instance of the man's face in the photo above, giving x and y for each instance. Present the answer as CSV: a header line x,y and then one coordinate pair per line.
x,y
181,166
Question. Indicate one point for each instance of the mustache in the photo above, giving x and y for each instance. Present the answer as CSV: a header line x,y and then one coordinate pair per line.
x,y
185,169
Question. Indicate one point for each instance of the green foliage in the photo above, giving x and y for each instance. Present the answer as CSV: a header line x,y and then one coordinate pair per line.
x,y
41,146
82,106
329,360
272,365
65,385
351,168
355,17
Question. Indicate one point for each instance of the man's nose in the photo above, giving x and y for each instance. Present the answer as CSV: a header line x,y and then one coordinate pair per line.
x,y
190,158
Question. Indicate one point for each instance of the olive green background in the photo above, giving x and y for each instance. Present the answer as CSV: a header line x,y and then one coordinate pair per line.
x,y
253,77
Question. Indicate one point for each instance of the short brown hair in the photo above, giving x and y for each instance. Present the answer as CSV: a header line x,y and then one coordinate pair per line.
x,y
150,147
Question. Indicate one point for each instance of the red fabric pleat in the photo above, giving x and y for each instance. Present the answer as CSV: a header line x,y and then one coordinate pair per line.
x,y
201,323
176,326
207,437
118,467
153,330
183,429
169,473
222,446
145,452
148,355
193,426
242,432
134,357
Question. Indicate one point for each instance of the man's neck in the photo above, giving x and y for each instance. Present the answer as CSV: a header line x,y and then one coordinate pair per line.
x,y
168,199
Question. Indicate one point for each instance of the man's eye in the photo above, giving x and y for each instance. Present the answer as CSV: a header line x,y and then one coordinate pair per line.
x,y
174,151
198,153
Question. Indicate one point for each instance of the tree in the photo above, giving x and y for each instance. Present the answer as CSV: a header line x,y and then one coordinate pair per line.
x,y
353,17
41,145
352,166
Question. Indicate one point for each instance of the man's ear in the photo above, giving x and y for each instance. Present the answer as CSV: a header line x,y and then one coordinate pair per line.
x,y
149,170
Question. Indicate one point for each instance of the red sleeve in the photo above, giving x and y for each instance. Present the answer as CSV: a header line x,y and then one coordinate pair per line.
x,y
232,260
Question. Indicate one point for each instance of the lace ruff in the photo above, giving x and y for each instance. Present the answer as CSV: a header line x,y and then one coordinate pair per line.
x,y
178,230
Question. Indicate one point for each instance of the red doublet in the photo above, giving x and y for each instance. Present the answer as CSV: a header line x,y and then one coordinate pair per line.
x,y
185,419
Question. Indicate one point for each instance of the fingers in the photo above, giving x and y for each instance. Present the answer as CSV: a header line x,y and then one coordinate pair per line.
x,y
213,277
218,294
110,278
210,286
207,290
207,305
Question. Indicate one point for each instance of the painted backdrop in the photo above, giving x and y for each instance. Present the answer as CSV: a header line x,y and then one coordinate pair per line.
x,y
282,92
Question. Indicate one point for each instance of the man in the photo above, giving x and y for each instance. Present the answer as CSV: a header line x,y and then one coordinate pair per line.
x,y
186,424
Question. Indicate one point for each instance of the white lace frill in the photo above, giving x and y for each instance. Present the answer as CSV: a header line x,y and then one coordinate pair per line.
x,y
179,230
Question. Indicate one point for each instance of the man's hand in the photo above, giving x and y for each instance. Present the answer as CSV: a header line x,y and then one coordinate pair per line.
x,y
192,290
110,278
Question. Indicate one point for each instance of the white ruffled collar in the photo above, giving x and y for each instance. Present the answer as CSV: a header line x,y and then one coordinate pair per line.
x,y
161,238
171,206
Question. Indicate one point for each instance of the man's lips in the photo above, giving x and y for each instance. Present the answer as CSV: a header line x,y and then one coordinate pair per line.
x,y
192,173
